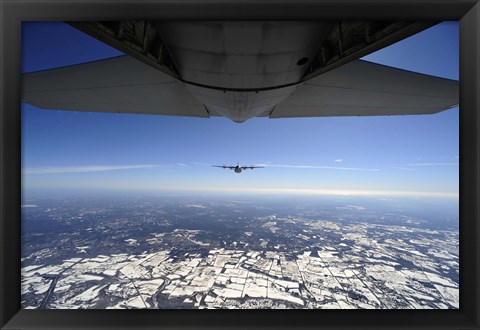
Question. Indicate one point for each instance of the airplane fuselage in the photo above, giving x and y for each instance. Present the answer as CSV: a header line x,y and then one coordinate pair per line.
x,y
238,169
241,70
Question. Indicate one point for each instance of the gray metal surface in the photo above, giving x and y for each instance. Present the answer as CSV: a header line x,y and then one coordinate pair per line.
x,y
362,88
239,106
122,84
239,70
242,54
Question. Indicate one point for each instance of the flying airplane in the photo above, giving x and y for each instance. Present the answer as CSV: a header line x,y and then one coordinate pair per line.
x,y
242,70
238,168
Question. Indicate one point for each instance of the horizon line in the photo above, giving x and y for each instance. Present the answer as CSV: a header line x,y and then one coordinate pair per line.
x,y
265,190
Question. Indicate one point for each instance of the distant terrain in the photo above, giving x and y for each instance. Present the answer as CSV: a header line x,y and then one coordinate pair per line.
x,y
336,252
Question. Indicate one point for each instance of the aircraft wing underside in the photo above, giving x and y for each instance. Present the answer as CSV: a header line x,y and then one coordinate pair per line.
x,y
119,85
362,88
126,85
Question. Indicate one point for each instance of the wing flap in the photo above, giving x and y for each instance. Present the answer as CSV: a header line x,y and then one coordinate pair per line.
x,y
119,85
362,88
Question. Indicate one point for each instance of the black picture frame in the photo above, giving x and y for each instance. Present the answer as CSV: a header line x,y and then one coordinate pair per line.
x,y
13,12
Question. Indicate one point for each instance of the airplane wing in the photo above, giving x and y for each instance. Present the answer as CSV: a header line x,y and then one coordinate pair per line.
x,y
362,88
120,85
224,166
126,85
251,167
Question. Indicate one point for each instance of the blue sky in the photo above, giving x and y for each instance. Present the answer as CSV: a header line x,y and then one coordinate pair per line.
x,y
411,155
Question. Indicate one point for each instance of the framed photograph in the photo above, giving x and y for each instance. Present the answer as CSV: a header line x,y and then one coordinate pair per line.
x,y
239,165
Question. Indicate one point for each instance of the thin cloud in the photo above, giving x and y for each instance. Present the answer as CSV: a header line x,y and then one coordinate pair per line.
x,y
83,169
338,160
182,164
432,164
321,167
199,163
